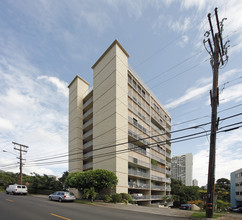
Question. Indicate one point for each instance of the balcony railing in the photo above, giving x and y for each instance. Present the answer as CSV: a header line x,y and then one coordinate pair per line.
x,y
89,101
138,173
87,134
89,122
139,186
138,149
139,162
159,169
88,144
160,197
157,159
157,178
87,166
138,138
87,113
155,187
140,196
168,172
87,155
168,180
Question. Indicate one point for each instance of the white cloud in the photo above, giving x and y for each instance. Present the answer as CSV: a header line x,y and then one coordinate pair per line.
x,y
195,92
32,111
181,25
61,85
228,157
6,124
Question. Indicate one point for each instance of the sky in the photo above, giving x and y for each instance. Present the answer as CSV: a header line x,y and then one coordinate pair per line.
x,y
46,43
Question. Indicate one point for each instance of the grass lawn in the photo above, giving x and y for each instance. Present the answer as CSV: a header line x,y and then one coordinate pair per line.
x,y
203,215
83,201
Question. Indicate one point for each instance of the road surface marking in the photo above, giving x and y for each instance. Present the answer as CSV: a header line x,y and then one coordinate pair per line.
x,y
59,216
9,200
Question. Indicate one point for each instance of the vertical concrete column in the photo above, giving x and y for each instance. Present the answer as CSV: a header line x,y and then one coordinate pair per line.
x,y
77,89
110,113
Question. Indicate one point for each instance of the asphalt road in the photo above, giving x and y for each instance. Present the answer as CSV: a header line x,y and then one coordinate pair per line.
x,y
35,208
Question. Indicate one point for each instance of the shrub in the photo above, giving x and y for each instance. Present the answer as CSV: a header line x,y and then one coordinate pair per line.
x,y
127,197
106,198
116,197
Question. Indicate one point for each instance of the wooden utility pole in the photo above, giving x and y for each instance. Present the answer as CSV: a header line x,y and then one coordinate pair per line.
x,y
20,149
218,57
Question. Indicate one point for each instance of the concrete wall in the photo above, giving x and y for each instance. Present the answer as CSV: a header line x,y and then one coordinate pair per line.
x,y
76,90
110,113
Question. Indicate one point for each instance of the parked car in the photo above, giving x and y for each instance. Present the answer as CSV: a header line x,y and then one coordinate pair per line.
x,y
62,196
185,206
17,189
237,209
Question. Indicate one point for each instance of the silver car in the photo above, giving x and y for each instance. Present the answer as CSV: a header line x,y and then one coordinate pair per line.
x,y
62,196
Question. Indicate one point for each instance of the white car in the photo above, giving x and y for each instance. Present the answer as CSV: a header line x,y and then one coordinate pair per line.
x,y
17,189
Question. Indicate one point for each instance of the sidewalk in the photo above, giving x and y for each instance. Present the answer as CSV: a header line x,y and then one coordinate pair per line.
x,y
148,209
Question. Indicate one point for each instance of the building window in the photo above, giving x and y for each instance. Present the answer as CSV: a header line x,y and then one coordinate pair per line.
x,y
129,79
143,93
135,121
134,84
139,89
237,193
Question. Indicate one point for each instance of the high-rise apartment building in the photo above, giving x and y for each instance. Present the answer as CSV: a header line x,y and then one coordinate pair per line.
x,y
195,182
181,168
119,125
236,188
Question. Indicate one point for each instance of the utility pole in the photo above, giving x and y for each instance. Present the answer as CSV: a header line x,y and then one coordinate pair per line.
x,y
219,57
20,149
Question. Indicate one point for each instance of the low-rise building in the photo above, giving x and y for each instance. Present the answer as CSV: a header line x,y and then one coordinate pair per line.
x,y
236,188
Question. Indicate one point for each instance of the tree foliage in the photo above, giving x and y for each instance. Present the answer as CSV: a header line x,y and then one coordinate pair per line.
x,y
99,179
182,193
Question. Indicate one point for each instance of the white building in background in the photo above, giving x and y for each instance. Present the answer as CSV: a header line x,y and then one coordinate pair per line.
x,y
181,168
236,187
195,182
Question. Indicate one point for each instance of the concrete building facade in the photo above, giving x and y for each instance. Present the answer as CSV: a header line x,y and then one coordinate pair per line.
x,y
236,188
195,182
119,125
181,168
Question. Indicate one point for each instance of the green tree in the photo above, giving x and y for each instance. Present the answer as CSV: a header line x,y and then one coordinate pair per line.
x,y
182,193
222,189
99,179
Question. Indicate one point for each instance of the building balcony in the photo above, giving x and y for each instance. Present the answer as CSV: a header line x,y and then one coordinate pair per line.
x,y
88,155
156,197
168,188
87,113
157,159
156,168
87,145
89,122
87,134
138,149
88,103
139,186
157,178
87,166
137,173
160,188
168,180
168,172
140,197
139,162
138,138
